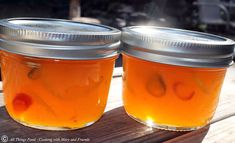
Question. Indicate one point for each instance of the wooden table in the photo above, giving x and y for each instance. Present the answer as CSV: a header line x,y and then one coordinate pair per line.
x,y
116,126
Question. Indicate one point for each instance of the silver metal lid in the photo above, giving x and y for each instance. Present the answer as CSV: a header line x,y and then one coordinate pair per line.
x,y
60,39
177,47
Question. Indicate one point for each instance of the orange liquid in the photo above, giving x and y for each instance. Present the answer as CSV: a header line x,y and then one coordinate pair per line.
x,y
55,93
169,95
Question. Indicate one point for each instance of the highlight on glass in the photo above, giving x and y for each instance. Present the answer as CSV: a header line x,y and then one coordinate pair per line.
x,y
172,78
56,73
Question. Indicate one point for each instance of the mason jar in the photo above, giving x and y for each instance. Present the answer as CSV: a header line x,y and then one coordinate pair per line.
x,y
172,78
56,73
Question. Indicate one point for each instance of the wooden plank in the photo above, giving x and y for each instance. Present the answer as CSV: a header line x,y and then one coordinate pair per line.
x,y
1,100
115,94
222,131
74,9
114,126
117,72
1,96
87,20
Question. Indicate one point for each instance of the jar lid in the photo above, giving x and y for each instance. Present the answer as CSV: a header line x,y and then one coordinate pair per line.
x,y
177,47
55,38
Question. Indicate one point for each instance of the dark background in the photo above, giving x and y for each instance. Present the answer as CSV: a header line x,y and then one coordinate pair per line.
x,y
120,13
116,13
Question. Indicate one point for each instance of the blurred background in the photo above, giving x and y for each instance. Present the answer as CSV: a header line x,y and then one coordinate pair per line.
x,y
211,16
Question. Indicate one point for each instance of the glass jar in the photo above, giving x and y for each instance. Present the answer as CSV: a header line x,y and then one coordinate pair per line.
x,y
172,78
56,73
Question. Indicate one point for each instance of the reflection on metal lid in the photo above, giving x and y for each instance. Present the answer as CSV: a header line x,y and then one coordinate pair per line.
x,y
55,38
177,47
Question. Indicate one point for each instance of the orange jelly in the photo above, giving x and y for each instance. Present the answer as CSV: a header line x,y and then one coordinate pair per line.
x,y
55,93
56,73
171,77
169,95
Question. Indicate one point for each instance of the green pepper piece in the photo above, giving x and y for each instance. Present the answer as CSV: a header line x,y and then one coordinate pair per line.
x,y
34,72
156,86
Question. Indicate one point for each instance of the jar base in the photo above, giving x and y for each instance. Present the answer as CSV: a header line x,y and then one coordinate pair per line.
x,y
51,128
165,127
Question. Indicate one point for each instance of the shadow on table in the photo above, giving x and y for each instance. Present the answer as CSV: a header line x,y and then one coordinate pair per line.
x,y
114,126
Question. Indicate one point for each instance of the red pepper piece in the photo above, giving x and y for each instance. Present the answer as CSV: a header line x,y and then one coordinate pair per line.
x,y
21,102
183,91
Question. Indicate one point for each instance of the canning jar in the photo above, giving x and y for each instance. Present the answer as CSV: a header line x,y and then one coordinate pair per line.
x,y
172,78
56,73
